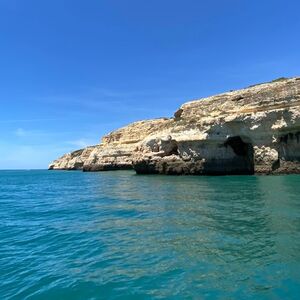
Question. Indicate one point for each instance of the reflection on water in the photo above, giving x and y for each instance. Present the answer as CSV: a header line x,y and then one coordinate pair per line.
x,y
116,235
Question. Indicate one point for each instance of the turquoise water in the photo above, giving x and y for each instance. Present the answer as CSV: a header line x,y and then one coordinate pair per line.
x,y
116,235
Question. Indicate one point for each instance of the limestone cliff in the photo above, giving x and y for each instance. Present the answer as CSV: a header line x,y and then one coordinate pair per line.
x,y
73,160
253,130
115,151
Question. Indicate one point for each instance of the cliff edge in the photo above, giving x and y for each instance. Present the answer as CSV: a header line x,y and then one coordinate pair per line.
x,y
253,130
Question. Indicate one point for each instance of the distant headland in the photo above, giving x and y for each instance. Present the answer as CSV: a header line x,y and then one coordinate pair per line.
x,y
250,131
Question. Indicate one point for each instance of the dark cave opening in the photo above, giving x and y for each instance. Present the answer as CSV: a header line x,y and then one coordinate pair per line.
x,y
243,162
289,146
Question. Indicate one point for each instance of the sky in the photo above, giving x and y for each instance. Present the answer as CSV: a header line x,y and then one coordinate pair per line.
x,y
72,71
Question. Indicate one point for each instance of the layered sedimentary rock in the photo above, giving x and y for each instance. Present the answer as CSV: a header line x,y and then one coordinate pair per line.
x,y
73,160
254,130
117,149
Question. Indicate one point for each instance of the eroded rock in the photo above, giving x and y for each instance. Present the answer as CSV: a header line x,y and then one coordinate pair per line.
x,y
253,130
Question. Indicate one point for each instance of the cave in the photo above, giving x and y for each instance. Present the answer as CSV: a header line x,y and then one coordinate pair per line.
x,y
289,146
242,162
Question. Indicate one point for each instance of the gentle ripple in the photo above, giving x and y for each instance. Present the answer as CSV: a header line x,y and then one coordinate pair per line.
x,y
116,235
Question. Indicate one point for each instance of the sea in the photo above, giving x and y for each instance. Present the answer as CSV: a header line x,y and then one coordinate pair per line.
x,y
118,235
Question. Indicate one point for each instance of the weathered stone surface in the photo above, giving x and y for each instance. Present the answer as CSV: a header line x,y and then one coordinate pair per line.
x,y
254,130
115,151
73,160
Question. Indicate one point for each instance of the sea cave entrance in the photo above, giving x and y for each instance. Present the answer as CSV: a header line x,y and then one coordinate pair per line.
x,y
243,161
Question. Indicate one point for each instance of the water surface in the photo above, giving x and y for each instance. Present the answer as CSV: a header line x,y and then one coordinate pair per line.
x,y
116,235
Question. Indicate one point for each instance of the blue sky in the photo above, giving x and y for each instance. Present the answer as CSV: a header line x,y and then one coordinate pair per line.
x,y
71,71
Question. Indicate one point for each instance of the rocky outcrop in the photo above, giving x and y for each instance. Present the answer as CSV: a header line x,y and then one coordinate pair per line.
x,y
115,151
73,160
254,130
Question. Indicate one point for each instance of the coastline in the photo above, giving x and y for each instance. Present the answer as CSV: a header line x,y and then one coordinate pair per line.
x,y
250,131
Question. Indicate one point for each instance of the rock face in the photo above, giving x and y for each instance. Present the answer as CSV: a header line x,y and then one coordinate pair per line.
x,y
254,130
73,160
117,149
115,152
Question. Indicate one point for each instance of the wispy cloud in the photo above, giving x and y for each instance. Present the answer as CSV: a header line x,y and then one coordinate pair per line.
x,y
30,120
38,134
20,132
29,133
29,156
97,99
81,143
